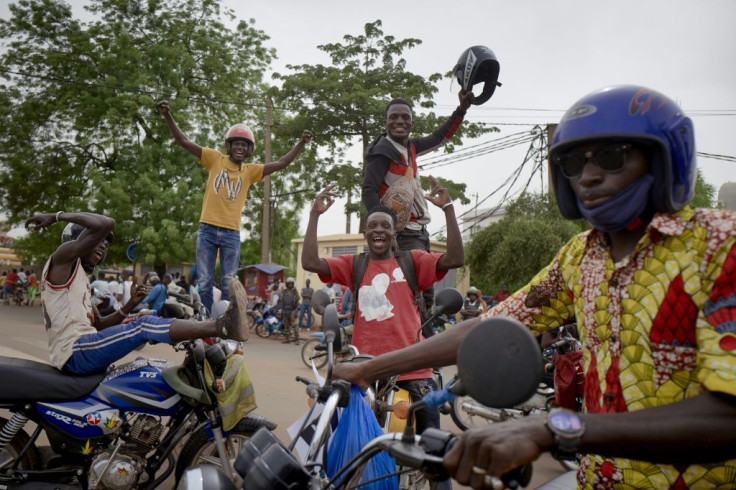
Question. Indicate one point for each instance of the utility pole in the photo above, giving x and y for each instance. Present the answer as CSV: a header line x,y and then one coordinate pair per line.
x,y
266,224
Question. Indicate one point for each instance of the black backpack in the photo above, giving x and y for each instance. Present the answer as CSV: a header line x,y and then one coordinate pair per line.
x,y
406,262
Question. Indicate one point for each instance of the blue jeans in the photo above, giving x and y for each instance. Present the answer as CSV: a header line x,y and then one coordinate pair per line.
x,y
210,239
96,351
308,310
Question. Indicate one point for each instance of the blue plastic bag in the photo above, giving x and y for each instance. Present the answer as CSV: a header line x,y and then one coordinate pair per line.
x,y
357,427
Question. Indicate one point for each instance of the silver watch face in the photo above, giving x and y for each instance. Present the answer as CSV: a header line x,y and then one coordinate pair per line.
x,y
565,422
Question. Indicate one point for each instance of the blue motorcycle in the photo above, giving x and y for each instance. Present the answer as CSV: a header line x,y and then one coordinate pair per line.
x,y
269,322
129,427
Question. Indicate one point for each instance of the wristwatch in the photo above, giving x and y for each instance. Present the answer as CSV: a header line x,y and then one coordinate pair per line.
x,y
567,428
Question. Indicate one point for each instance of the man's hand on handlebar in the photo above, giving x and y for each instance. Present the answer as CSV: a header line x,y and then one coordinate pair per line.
x,y
496,450
353,372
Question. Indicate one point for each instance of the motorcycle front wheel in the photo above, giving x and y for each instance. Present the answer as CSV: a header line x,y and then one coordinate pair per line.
x,y
309,352
200,450
262,330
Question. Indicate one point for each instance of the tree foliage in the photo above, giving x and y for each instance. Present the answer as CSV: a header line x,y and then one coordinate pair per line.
x,y
345,101
79,130
512,250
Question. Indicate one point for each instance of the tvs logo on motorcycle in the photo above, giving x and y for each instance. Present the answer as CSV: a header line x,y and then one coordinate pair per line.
x,y
94,418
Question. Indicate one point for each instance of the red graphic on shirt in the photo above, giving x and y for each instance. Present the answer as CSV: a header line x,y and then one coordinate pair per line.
x,y
675,320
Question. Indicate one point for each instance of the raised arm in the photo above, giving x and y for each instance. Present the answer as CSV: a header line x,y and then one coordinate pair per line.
x,y
179,137
444,133
455,255
97,229
311,260
285,160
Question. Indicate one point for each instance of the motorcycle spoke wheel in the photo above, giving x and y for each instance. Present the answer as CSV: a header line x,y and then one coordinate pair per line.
x,y
308,351
262,331
464,419
200,450
251,321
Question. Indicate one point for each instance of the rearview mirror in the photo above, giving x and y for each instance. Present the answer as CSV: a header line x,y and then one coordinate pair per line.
x,y
331,326
320,299
499,363
448,301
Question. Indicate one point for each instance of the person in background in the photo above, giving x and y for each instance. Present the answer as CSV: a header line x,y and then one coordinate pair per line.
x,y
305,308
32,288
288,304
472,306
3,276
652,289
501,294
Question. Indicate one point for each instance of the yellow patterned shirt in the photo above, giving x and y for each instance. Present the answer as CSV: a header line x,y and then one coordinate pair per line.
x,y
656,327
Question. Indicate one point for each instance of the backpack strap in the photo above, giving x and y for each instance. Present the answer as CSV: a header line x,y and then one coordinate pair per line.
x,y
406,262
360,264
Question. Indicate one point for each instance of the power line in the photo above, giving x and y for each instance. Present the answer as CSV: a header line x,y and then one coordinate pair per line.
x,y
715,156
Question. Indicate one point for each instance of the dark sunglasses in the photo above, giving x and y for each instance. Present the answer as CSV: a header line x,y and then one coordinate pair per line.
x,y
611,158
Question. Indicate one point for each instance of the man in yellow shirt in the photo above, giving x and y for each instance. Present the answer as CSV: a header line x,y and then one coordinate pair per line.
x,y
224,197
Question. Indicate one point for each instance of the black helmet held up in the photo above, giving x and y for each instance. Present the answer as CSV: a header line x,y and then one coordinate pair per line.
x,y
478,64
71,232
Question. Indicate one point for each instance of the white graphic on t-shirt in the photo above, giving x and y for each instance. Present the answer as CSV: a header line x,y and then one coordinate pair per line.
x,y
374,305
233,187
398,275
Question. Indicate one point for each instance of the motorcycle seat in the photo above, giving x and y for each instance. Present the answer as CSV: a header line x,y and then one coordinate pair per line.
x,y
26,380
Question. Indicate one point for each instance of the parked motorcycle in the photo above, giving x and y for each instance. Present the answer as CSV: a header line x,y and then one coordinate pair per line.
x,y
130,427
269,323
265,463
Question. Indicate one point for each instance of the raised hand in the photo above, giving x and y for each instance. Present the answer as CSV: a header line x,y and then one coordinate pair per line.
x,y
438,194
324,200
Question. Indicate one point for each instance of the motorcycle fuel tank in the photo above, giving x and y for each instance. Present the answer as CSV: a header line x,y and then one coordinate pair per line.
x,y
137,387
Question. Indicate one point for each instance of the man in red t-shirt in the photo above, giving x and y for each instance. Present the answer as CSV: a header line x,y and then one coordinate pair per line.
x,y
386,318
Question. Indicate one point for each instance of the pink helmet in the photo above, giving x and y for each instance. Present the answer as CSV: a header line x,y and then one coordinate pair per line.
x,y
240,131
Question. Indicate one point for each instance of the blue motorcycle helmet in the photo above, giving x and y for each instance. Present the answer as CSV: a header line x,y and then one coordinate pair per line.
x,y
640,115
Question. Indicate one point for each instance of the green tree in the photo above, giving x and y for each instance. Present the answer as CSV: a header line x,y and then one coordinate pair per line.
x,y
512,250
345,102
533,229
705,193
79,129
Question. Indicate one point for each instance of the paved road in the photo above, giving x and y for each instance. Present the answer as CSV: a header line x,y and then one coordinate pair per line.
x,y
272,366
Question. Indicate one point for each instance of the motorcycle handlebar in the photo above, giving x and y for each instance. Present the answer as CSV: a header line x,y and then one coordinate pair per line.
x,y
428,451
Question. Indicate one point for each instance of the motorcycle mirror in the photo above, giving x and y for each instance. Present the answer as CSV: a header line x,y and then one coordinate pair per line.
x,y
331,326
505,349
320,300
448,301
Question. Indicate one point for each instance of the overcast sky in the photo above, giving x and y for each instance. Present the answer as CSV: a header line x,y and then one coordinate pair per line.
x,y
551,53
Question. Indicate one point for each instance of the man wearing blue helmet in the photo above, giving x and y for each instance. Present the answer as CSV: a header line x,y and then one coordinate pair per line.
x,y
652,288
80,340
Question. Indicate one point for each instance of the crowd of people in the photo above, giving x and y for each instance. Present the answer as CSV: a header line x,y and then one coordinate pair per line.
x,y
651,287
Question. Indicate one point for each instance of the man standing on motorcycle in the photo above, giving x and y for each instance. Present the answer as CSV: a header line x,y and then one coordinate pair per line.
x,y
652,288
386,314
224,197
80,341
